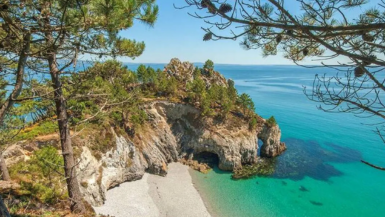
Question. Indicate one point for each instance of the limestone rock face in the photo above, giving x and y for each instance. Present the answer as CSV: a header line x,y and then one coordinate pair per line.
x,y
173,131
215,78
193,133
20,151
118,165
271,138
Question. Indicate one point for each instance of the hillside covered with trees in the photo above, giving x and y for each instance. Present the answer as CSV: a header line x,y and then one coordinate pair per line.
x,y
106,96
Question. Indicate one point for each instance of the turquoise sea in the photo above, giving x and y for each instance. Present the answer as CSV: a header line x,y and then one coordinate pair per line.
x,y
320,174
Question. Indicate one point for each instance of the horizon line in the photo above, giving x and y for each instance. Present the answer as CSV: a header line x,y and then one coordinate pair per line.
x,y
242,64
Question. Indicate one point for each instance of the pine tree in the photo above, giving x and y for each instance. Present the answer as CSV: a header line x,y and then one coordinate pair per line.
x,y
58,31
246,103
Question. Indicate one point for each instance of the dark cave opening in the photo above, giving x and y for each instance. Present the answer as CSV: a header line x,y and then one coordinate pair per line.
x,y
208,158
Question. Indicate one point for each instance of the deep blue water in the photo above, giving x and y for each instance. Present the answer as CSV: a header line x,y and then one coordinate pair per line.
x,y
320,174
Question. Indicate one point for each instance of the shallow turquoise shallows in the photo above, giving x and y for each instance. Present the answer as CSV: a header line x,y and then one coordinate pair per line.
x,y
320,174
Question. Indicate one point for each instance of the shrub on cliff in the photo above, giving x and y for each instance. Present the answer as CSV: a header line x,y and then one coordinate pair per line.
x,y
246,103
164,85
138,118
253,123
208,68
40,178
231,91
146,74
196,89
271,122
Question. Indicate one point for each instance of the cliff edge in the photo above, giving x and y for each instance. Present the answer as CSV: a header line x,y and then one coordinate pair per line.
x,y
173,131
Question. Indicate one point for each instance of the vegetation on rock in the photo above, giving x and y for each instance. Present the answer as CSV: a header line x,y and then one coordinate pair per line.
x,y
263,168
271,122
41,179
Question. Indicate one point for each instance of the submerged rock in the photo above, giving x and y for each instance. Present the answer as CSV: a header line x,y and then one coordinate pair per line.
x,y
264,167
302,188
315,203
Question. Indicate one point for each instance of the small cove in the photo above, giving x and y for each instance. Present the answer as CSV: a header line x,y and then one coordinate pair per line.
x,y
320,174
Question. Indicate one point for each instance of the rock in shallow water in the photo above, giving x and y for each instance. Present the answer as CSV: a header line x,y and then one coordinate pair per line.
x,y
271,138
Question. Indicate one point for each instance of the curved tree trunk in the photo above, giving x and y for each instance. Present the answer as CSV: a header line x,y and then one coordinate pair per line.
x,y
4,108
77,205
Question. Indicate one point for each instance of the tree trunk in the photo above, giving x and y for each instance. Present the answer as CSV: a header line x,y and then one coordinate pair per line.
x,y
77,205
19,78
4,108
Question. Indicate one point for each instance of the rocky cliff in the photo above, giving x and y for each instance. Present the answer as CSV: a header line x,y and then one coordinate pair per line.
x,y
174,131
184,71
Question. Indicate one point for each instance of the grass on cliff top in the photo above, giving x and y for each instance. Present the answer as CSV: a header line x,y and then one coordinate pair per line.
x,y
45,127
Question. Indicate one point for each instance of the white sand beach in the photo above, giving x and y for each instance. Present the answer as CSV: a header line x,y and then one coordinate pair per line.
x,y
173,195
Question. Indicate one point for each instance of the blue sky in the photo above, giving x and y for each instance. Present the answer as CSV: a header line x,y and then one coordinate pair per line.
x,y
176,34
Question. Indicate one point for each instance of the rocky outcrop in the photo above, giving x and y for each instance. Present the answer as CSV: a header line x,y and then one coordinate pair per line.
x,y
231,141
118,165
271,138
181,70
184,71
174,131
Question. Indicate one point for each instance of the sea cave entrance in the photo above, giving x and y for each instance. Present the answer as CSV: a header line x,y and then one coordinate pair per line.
x,y
260,143
208,158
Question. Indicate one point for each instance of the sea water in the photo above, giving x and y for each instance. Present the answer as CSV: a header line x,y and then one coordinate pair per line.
x,y
320,174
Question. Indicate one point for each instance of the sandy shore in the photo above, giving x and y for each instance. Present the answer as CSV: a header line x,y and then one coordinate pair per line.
x,y
173,195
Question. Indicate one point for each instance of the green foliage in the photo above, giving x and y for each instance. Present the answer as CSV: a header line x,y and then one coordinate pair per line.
x,y
197,72
10,127
3,91
103,84
246,103
208,68
22,203
40,177
38,108
116,116
196,89
231,91
209,65
102,141
138,118
253,123
216,99
141,72
206,105
146,75
165,85
271,122
48,160
39,129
